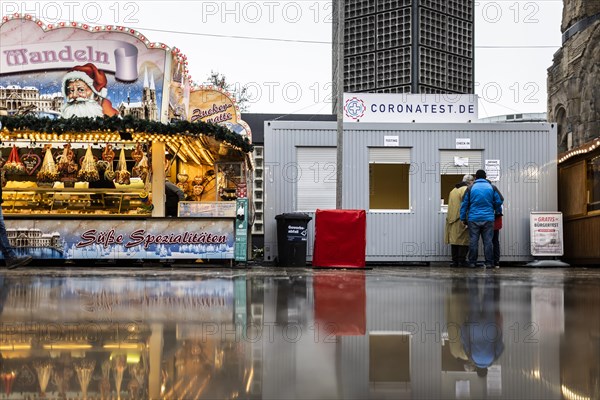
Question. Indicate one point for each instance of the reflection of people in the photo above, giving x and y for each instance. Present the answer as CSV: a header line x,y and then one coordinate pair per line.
x,y
84,89
456,233
479,205
481,334
457,307
11,258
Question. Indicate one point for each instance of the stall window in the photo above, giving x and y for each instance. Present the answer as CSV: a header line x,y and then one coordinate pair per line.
x,y
315,177
454,164
593,184
572,189
388,178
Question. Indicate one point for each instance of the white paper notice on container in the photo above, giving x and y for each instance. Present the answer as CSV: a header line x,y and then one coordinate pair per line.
x,y
492,170
461,161
391,141
463,143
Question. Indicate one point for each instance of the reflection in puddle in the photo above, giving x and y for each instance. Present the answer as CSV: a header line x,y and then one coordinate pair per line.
x,y
309,335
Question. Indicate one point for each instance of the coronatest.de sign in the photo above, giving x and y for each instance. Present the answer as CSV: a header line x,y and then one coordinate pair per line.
x,y
404,107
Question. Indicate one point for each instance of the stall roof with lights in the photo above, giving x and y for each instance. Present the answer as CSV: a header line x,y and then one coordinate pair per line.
x,y
197,142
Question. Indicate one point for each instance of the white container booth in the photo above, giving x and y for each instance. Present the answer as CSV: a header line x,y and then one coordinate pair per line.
x,y
402,173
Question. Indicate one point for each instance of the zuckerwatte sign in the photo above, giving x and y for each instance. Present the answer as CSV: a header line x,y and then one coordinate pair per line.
x,y
213,105
403,107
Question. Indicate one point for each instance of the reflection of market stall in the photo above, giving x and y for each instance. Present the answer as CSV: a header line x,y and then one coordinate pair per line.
x,y
111,119
128,339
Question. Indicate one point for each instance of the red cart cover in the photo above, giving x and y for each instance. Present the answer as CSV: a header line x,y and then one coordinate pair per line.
x,y
340,238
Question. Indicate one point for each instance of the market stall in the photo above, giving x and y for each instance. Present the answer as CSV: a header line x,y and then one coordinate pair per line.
x,y
96,123
56,203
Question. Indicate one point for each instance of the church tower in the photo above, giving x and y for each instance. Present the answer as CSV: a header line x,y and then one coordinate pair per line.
x,y
149,105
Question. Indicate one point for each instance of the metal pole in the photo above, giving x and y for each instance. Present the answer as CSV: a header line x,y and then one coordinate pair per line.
x,y
339,78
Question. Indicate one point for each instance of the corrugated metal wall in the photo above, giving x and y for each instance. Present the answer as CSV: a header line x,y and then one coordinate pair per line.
x,y
527,154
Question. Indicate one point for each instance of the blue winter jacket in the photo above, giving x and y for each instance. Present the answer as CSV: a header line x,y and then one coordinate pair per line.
x,y
480,202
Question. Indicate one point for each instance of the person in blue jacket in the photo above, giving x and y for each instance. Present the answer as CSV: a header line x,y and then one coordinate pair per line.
x,y
478,209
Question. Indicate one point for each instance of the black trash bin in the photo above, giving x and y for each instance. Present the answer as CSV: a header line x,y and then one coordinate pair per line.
x,y
292,234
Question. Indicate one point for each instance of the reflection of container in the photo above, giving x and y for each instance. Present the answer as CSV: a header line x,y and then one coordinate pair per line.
x,y
292,233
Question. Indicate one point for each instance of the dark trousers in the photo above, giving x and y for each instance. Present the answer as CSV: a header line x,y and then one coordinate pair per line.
x,y
496,245
485,230
459,254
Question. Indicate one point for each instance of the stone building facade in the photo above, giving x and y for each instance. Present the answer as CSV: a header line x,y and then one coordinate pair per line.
x,y
573,89
574,104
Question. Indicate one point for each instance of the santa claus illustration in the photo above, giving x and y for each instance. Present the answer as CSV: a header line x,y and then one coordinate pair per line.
x,y
84,89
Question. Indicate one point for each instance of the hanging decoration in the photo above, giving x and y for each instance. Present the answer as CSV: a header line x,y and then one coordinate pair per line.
x,y
138,153
122,175
31,162
108,154
88,172
14,165
48,173
66,162
200,182
141,168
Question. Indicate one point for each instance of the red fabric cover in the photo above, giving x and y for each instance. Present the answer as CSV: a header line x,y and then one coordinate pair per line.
x,y
340,304
340,238
498,222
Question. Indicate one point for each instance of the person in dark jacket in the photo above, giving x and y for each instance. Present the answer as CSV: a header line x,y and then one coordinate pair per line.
x,y
478,209
173,195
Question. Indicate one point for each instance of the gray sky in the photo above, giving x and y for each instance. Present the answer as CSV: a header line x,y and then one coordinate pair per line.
x,y
281,50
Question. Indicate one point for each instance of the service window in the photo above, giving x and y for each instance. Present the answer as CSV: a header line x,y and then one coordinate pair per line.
x,y
315,178
454,165
388,178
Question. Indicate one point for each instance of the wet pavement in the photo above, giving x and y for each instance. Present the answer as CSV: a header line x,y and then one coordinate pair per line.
x,y
274,333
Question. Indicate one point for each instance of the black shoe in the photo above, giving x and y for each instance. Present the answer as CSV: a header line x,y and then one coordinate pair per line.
x,y
18,262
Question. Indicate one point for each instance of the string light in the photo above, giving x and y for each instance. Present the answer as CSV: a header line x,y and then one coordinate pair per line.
x,y
73,24
587,149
